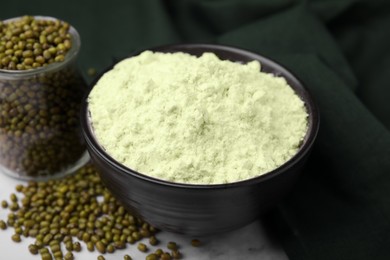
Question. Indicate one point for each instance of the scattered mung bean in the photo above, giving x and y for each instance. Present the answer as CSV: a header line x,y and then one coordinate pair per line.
x,y
77,246
33,249
153,240
3,225
46,256
4,204
13,197
18,230
195,242
159,252
165,256
176,254
69,245
151,257
142,247
58,254
68,256
110,249
172,245
56,211
16,238
43,251
100,247
90,246
55,247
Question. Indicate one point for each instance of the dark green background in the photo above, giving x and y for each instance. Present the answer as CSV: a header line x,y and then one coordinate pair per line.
x,y
340,209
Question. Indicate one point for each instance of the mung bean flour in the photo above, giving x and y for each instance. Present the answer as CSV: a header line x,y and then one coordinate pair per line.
x,y
194,120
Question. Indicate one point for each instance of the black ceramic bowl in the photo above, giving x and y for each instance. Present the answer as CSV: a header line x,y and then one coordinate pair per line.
x,y
204,209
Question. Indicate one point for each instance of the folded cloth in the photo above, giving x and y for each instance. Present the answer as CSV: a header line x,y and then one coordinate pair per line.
x,y
340,208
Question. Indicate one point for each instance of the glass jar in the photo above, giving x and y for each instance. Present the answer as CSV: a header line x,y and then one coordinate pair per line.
x,y
40,134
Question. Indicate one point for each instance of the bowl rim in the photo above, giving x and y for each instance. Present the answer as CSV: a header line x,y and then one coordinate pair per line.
x,y
298,87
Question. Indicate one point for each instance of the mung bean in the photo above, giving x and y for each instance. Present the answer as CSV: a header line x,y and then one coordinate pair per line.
x,y
142,247
172,245
77,246
195,242
69,256
3,225
51,223
33,249
165,256
151,257
16,238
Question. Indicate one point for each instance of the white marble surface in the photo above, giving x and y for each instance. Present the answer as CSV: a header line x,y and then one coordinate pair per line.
x,y
249,242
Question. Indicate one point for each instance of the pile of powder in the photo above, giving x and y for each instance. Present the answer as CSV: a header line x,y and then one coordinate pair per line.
x,y
195,120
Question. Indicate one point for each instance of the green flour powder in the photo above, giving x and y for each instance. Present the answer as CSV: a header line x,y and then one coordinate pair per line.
x,y
194,120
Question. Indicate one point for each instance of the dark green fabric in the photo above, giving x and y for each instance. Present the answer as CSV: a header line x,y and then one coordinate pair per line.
x,y
340,208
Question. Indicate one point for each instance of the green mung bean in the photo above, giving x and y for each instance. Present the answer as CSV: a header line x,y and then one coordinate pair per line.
x,y
100,247
3,225
90,246
159,252
41,216
110,249
18,230
33,232
136,235
39,243
57,236
152,257
69,245
130,240
19,188
4,204
195,242
46,256
176,254
127,257
46,240
10,222
44,250
144,232
68,238
55,247
120,244
16,238
165,256
58,254
33,249
153,240
77,246
13,197
29,223
14,206
68,256
172,245
142,247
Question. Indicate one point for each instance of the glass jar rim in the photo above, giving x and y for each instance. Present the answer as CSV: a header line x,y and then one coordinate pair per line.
x,y
70,55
